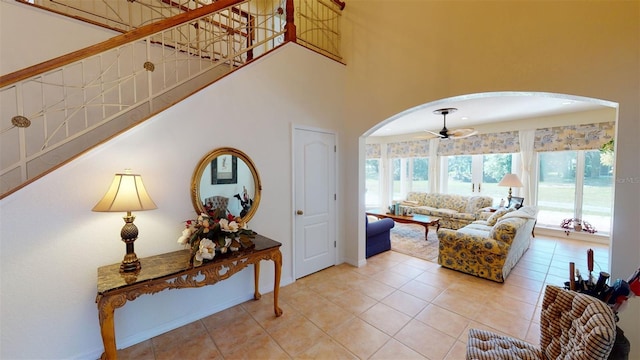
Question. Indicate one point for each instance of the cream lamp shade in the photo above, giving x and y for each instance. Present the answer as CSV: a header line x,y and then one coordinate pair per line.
x,y
510,180
127,193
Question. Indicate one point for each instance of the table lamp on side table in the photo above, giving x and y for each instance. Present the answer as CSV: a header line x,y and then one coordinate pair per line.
x,y
510,180
127,193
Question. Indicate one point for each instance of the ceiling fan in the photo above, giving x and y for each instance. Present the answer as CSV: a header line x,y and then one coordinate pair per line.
x,y
451,134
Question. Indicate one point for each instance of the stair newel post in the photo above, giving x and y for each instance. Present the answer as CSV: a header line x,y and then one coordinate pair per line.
x,y
290,27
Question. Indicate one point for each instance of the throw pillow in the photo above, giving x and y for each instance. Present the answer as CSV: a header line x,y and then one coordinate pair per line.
x,y
493,219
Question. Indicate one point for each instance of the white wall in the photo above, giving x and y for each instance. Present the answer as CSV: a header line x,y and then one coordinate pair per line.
x,y
52,244
30,36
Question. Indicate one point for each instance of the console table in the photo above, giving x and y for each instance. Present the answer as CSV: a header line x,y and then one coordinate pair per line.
x,y
173,271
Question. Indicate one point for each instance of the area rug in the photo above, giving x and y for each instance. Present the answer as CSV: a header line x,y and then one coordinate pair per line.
x,y
409,239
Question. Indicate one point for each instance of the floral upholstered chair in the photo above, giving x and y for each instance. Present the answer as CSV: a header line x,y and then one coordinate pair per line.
x,y
572,326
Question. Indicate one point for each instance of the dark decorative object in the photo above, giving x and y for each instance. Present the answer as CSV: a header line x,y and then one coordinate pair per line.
x,y
615,296
224,170
515,202
245,201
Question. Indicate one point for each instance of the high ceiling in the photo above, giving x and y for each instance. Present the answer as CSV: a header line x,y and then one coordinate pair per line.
x,y
482,109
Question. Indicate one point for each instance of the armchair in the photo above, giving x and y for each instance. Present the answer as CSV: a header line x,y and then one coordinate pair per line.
x,y
572,325
378,236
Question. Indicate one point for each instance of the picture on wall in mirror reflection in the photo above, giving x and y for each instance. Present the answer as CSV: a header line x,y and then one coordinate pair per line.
x,y
224,170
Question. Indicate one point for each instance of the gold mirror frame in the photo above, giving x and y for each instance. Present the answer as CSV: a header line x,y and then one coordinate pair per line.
x,y
196,195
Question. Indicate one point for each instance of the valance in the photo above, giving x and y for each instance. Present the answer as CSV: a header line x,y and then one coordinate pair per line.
x,y
406,149
373,151
494,143
574,137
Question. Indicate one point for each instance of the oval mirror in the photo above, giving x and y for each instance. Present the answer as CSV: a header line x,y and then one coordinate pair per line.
x,y
226,179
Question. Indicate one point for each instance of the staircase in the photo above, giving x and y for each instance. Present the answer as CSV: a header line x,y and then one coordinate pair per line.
x,y
54,111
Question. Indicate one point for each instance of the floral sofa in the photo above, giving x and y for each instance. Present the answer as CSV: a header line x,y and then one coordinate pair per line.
x,y
454,211
489,248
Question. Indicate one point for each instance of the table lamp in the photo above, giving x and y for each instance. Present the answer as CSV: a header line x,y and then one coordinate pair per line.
x,y
510,180
127,193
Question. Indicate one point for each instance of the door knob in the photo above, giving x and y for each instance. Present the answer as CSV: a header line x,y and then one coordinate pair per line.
x,y
299,212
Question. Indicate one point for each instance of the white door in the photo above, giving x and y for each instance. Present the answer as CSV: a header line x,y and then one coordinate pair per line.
x,y
315,199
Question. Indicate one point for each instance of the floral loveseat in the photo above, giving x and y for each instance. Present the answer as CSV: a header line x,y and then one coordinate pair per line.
x,y
489,248
454,211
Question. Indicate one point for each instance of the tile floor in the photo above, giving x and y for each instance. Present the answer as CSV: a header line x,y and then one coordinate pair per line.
x,y
395,307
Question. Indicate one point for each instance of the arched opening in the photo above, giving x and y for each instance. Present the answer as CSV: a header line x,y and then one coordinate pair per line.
x,y
554,142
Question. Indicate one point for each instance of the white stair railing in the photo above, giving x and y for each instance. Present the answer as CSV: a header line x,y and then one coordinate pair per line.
x,y
54,111
55,115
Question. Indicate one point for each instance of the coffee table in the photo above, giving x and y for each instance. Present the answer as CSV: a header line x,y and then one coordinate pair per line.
x,y
423,220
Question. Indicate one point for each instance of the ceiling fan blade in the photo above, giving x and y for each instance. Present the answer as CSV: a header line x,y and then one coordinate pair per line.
x,y
435,133
461,133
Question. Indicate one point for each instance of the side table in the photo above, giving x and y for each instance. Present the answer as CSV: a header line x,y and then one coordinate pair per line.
x,y
173,271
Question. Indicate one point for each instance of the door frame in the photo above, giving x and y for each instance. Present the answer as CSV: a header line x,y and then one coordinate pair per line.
x,y
338,241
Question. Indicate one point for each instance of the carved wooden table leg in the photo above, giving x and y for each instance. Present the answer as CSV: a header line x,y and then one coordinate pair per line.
x,y
277,262
106,308
256,280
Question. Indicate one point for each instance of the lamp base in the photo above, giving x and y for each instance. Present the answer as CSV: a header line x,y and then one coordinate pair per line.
x,y
130,263
129,234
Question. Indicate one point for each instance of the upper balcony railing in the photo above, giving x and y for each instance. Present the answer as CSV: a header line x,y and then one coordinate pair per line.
x,y
318,21
54,111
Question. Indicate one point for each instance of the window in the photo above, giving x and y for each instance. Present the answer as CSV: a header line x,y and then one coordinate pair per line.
x,y
409,174
372,176
478,175
574,184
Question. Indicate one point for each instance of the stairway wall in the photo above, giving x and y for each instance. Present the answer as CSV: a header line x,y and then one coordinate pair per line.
x,y
39,35
52,244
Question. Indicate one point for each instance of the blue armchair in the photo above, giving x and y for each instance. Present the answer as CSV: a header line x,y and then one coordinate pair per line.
x,y
378,236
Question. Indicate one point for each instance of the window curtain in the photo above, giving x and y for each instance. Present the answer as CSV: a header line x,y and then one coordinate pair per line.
x,y
434,166
527,156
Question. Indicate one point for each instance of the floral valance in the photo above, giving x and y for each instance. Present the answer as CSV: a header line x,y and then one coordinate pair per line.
x,y
574,137
567,137
373,151
405,149
494,143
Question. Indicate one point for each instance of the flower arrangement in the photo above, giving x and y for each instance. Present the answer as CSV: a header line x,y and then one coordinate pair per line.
x,y
210,234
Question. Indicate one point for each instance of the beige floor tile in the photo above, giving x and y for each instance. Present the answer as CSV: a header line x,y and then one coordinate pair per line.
x,y
458,303
375,289
457,352
141,351
407,270
327,349
385,318
405,303
505,322
394,349
260,347
359,337
391,278
512,306
426,340
297,334
188,342
352,301
421,290
444,320
329,316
